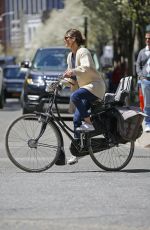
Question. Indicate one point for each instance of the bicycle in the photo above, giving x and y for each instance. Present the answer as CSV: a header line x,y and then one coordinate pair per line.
x,y
34,142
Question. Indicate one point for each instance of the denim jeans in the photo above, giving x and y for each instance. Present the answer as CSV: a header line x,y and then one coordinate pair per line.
x,y
82,99
145,84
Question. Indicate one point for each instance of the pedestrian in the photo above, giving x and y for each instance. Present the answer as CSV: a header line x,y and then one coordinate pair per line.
x,y
143,72
88,85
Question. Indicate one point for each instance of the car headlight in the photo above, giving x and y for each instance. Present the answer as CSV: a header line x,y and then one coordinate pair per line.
x,y
37,82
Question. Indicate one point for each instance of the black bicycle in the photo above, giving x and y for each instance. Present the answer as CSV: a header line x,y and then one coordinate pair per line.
x,y
34,142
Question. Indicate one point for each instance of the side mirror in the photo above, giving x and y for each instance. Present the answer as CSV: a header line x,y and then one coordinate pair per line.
x,y
25,64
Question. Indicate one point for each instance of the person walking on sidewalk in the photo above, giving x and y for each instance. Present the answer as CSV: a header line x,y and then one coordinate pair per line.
x,y
143,72
88,85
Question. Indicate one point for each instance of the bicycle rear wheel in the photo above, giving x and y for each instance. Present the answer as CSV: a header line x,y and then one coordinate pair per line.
x,y
112,158
23,149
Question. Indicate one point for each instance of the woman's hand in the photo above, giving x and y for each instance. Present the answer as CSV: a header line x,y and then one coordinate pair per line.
x,y
68,73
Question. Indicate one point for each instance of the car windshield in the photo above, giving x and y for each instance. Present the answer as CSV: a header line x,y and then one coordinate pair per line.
x,y
11,72
51,59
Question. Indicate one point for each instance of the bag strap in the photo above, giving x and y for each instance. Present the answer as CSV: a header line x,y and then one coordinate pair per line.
x,y
146,60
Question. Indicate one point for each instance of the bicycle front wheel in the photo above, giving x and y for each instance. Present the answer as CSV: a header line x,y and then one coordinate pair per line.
x,y
112,158
25,151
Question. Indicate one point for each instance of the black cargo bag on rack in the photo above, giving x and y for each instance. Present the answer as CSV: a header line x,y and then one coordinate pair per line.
x,y
129,123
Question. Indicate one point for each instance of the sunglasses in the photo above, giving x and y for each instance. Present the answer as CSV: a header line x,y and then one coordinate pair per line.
x,y
147,38
66,37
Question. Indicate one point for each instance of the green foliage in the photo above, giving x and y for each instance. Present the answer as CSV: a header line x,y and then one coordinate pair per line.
x,y
113,22
118,22
115,16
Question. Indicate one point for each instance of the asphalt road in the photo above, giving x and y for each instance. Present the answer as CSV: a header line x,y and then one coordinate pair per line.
x,y
77,197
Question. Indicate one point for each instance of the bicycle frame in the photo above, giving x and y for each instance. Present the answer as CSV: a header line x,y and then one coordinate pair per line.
x,y
59,122
85,138
33,138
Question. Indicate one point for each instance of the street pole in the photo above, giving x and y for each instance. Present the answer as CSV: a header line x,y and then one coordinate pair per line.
x,y
86,30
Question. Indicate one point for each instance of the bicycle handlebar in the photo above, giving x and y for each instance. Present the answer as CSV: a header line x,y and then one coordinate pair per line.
x,y
51,87
57,85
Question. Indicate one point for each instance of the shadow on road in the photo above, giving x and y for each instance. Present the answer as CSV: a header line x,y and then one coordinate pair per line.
x,y
136,170
101,171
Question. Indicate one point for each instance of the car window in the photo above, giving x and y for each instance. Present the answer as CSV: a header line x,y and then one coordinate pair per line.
x,y
11,72
51,59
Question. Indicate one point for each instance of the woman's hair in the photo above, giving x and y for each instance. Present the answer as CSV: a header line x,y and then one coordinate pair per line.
x,y
77,35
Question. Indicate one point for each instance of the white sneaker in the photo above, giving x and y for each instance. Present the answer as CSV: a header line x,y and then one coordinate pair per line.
x,y
85,127
147,128
72,160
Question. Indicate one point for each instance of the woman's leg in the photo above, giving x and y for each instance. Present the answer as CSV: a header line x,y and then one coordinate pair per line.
x,y
82,99
77,120
145,84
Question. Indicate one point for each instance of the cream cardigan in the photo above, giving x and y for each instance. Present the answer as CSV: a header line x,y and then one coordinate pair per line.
x,y
87,76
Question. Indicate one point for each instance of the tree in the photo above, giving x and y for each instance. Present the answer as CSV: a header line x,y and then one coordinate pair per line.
x,y
118,22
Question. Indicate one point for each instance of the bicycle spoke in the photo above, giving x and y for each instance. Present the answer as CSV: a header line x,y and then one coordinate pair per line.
x,y
112,158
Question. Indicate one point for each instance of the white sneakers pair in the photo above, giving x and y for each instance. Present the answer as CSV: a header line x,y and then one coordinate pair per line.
x,y
147,128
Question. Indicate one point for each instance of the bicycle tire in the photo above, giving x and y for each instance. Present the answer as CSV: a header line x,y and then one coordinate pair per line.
x,y
21,133
111,158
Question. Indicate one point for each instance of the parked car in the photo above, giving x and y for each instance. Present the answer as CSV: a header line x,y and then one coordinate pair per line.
x,y
7,60
47,65
1,89
4,60
13,81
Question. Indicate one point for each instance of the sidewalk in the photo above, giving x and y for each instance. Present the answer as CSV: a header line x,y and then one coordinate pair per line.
x,y
144,140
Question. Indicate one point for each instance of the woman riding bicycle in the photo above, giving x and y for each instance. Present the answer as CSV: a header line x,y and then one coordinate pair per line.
x,y
87,82
34,142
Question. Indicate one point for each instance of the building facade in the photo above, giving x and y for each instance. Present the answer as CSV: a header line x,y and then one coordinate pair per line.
x,y
19,20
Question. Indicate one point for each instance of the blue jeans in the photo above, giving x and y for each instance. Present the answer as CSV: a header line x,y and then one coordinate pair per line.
x,y
145,84
82,99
